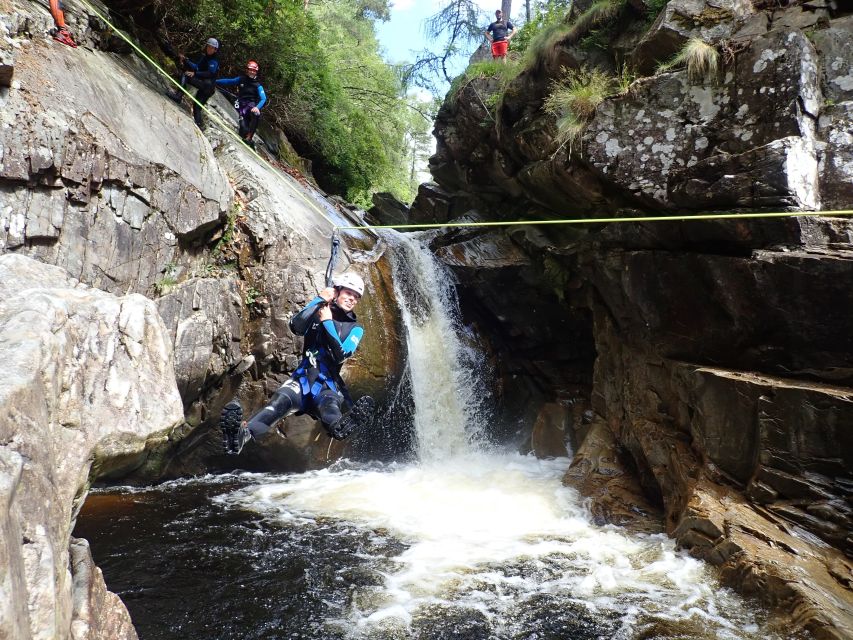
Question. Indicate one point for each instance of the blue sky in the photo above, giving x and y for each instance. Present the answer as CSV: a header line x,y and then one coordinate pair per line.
x,y
403,35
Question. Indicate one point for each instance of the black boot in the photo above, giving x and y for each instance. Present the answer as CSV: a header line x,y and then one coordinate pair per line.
x,y
361,412
175,96
234,433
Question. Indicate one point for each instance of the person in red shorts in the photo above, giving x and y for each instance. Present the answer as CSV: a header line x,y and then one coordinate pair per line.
x,y
499,33
60,32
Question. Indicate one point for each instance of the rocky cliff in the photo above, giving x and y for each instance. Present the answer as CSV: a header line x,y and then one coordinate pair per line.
x,y
709,361
148,275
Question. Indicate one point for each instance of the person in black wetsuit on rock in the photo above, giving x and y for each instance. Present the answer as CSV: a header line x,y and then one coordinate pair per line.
x,y
332,334
200,73
250,100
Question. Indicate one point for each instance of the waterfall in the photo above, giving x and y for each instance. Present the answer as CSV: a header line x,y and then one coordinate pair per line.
x,y
447,382
468,541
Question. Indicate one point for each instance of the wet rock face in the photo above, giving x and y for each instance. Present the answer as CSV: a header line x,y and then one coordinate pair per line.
x,y
719,376
104,191
88,389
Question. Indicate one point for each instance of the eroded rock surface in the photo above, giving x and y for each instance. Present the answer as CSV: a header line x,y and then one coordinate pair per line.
x,y
88,387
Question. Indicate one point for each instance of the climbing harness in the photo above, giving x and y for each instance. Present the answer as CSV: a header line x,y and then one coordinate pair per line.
x,y
313,374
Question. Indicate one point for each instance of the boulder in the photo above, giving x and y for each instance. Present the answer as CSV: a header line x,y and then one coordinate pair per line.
x,y
387,209
746,143
710,20
204,323
88,389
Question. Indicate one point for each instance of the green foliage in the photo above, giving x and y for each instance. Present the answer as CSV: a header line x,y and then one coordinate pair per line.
x,y
544,41
252,295
701,59
653,8
592,28
170,278
573,100
545,16
489,96
599,13
228,232
455,27
329,88
485,69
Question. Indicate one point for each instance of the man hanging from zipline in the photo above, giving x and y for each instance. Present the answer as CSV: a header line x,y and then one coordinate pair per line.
x,y
332,334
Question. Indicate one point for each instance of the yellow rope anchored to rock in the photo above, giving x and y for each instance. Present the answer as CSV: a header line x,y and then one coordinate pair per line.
x,y
681,218
462,224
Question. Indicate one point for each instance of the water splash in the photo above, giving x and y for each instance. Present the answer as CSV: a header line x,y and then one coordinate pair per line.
x,y
498,539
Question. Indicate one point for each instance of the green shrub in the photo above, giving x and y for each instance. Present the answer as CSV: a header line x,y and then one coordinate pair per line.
x,y
599,13
653,8
550,13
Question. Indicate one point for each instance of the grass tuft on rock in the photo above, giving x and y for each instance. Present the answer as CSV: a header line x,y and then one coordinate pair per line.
x,y
701,59
573,100
599,13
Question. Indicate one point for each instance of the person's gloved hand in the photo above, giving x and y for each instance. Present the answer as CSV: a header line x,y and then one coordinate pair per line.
x,y
325,313
189,74
256,111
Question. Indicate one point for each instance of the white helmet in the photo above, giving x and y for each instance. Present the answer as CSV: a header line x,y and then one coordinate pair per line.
x,y
350,281
213,42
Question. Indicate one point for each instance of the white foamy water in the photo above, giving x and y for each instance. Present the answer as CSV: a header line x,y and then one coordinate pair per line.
x,y
487,537
487,534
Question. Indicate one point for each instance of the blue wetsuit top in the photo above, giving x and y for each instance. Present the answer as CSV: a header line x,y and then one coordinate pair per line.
x,y
206,67
335,339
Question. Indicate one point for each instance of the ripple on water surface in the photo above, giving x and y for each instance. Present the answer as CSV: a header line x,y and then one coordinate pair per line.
x,y
483,547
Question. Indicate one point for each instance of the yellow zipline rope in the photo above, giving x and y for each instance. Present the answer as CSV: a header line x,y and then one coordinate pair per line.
x,y
500,223
683,218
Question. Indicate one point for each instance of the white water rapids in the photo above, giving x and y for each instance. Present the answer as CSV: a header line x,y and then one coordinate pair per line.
x,y
493,536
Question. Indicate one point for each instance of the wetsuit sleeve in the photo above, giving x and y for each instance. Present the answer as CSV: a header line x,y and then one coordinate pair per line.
x,y
189,64
301,322
228,81
342,350
510,26
212,69
263,97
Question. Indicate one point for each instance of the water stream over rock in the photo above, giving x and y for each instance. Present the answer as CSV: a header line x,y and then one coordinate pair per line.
x,y
464,542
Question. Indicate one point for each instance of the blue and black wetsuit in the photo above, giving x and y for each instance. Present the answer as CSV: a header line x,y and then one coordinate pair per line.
x,y
205,70
250,93
316,386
